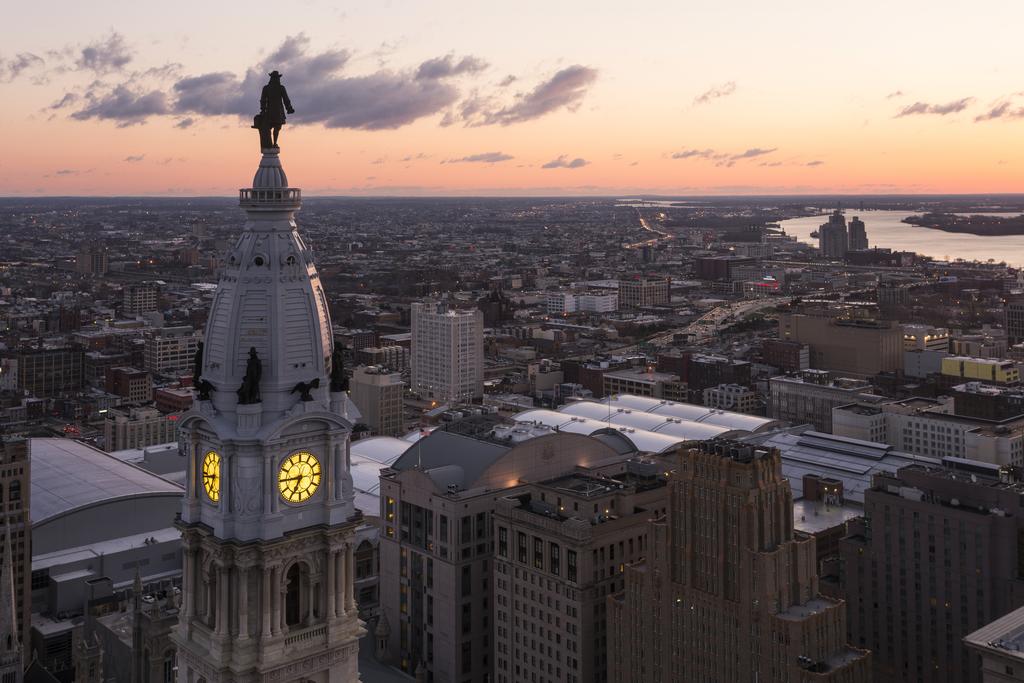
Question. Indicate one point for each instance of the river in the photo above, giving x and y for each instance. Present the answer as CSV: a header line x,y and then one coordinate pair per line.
x,y
886,230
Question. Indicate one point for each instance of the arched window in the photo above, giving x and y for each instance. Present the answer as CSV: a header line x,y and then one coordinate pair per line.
x,y
293,595
170,666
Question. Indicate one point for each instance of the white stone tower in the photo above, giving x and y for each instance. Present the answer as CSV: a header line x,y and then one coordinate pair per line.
x,y
268,517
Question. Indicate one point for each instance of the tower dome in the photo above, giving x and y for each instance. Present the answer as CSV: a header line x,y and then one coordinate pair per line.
x,y
269,301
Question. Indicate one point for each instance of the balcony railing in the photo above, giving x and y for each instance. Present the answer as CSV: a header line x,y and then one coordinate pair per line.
x,y
314,635
270,198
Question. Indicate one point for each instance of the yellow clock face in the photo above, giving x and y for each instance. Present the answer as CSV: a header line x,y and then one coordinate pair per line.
x,y
299,477
211,475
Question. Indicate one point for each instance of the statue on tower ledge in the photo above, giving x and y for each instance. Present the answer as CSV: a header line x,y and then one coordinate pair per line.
x,y
249,392
274,103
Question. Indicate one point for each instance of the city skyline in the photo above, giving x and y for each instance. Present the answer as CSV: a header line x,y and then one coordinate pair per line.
x,y
403,99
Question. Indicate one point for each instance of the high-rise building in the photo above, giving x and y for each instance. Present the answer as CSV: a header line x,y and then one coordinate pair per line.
x,y
1013,318
728,592
643,291
849,341
833,241
447,352
134,386
437,586
15,539
92,259
268,519
378,394
48,372
170,349
561,546
858,235
138,299
138,428
811,396
936,556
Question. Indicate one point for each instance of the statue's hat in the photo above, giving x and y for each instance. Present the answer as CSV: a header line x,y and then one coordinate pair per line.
x,y
274,74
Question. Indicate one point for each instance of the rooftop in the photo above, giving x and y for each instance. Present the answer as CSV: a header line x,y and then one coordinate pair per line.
x,y
68,475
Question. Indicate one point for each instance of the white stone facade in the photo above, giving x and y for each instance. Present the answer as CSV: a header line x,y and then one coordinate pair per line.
x,y
268,582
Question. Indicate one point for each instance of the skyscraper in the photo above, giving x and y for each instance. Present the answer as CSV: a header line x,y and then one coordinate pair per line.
x,y
447,352
833,240
727,592
936,556
15,527
858,235
378,393
267,520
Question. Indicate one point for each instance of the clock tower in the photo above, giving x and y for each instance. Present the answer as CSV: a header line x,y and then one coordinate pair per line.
x,y
268,518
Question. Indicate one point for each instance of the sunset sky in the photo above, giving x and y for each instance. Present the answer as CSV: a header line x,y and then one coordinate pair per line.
x,y
556,97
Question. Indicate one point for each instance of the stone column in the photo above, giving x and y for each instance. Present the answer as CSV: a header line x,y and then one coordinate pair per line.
x,y
223,595
243,603
350,575
332,584
311,590
208,588
265,608
187,585
339,591
275,598
332,465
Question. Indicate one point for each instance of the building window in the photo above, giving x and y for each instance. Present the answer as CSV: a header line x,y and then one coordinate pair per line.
x,y
502,541
571,572
554,559
538,553
522,546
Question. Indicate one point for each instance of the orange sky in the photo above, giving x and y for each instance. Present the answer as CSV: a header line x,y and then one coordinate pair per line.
x,y
458,98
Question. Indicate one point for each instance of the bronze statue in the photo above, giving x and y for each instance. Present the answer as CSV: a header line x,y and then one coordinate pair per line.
x,y
274,103
249,392
339,382
205,387
305,387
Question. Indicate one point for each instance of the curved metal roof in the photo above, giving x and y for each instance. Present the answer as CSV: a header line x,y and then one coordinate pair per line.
x,y
69,475
645,441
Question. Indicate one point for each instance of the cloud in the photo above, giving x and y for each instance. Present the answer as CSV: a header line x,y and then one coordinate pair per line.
x,y
715,92
1003,109
67,100
135,157
72,171
124,105
507,81
321,90
484,157
563,162
753,152
690,153
566,89
12,68
894,94
940,109
443,67
816,162
105,55
723,158
320,93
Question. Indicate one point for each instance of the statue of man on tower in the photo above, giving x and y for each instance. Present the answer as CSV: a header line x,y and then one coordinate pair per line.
x,y
274,103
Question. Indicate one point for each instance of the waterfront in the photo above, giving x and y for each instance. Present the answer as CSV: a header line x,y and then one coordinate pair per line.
x,y
886,229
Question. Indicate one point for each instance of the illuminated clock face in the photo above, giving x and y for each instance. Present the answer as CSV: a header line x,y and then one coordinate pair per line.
x,y
211,475
299,477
